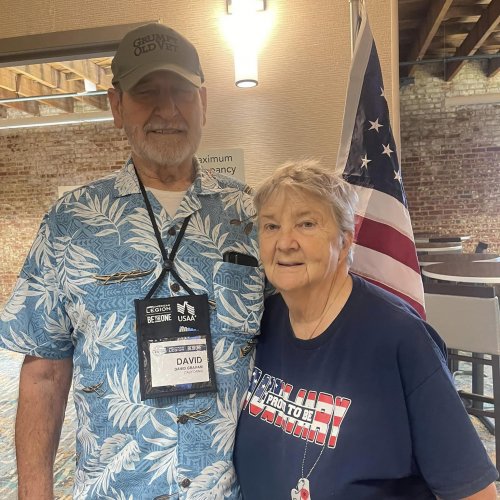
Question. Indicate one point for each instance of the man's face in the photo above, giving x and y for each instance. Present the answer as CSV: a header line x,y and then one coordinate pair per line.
x,y
163,116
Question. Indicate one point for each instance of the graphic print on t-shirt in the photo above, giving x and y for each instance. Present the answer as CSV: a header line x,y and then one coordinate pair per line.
x,y
311,415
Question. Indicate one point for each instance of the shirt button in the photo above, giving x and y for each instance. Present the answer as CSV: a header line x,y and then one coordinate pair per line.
x,y
172,231
185,483
182,419
175,287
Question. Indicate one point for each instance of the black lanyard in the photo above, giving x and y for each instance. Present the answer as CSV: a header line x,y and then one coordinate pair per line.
x,y
168,260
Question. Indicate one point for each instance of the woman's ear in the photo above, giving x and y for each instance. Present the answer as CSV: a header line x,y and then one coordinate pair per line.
x,y
346,243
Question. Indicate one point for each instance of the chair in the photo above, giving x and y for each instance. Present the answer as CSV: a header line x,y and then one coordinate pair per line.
x,y
481,247
467,317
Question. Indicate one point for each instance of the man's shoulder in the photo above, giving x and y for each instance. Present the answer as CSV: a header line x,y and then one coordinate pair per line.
x,y
97,188
225,182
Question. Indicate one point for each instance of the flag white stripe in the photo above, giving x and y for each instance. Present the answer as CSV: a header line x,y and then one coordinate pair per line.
x,y
381,207
388,271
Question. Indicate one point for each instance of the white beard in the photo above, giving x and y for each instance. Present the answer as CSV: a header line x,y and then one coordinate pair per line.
x,y
163,149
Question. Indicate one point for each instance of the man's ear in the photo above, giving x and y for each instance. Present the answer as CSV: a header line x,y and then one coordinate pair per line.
x,y
115,102
203,97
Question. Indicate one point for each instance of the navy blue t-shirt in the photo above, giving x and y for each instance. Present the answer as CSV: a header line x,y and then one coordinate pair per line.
x,y
374,400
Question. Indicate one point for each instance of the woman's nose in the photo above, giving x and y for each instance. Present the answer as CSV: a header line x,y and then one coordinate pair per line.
x,y
286,240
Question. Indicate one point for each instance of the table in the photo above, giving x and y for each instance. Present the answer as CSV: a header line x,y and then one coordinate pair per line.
x,y
484,273
439,247
439,238
480,273
437,258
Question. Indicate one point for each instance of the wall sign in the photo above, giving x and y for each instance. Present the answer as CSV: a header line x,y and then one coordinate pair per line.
x,y
229,162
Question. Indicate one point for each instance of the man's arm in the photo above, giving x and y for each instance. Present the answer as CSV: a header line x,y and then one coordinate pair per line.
x,y
43,393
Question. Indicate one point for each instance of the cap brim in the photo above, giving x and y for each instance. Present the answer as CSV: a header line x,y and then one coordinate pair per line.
x,y
133,77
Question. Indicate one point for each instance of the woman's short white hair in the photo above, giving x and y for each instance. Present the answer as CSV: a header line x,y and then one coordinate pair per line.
x,y
310,177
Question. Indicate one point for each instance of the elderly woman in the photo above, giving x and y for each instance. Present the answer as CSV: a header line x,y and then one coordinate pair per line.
x,y
350,396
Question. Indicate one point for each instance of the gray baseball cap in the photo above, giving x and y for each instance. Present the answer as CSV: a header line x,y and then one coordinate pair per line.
x,y
154,47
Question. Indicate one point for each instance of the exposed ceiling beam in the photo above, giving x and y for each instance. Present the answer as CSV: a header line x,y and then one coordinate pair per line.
x,y
482,30
30,107
89,71
22,86
429,28
462,12
27,87
47,75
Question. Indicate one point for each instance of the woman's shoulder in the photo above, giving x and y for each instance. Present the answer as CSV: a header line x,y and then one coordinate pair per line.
x,y
393,317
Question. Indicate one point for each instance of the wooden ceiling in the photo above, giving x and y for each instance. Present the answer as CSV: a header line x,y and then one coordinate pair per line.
x,y
456,29
50,79
428,29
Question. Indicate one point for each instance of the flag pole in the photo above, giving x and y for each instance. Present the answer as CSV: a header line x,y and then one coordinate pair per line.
x,y
355,20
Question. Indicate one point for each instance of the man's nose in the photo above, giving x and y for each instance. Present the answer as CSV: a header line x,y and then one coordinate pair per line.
x,y
166,105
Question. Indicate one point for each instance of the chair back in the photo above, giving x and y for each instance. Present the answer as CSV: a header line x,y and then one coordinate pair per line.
x,y
466,317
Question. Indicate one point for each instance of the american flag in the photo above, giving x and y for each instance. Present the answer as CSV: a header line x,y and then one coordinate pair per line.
x,y
384,250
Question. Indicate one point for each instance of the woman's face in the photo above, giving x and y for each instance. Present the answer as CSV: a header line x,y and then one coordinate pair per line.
x,y
300,243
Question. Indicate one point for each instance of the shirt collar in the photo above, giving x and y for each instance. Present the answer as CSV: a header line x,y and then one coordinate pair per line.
x,y
126,182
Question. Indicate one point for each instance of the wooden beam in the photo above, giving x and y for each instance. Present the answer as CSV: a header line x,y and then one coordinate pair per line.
x,y
494,66
89,71
463,12
429,28
27,87
7,80
22,86
482,30
55,79
30,107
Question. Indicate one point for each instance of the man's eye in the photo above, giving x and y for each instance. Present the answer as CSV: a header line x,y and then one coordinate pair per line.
x,y
144,92
183,93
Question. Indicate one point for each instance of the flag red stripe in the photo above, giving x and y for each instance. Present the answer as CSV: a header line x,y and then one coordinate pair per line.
x,y
387,240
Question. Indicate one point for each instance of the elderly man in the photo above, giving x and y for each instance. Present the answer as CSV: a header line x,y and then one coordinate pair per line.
x,y
144,290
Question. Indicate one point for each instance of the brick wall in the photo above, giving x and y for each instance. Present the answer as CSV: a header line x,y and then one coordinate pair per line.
x,y
33,163
451,154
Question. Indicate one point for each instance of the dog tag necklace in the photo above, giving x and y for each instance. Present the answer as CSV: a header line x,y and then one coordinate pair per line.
x,y
302,491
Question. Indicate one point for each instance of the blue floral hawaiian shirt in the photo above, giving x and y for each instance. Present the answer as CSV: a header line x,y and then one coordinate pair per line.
x,y
127,448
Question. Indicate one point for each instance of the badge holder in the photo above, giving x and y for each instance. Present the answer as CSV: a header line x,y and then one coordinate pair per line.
x,y
175,349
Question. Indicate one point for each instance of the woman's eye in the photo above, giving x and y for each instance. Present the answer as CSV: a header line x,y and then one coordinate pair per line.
x,y
308,224
270,227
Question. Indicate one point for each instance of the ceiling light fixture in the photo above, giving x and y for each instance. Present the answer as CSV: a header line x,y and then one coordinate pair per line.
x,y
244,35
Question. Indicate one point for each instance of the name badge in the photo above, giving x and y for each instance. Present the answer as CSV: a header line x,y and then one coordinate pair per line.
x,y
175,349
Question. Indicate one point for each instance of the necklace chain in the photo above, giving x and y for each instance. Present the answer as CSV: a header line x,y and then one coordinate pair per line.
x,y
315,463
325,308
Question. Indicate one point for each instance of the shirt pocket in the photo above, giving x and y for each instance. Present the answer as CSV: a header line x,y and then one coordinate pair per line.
x,y
239,298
